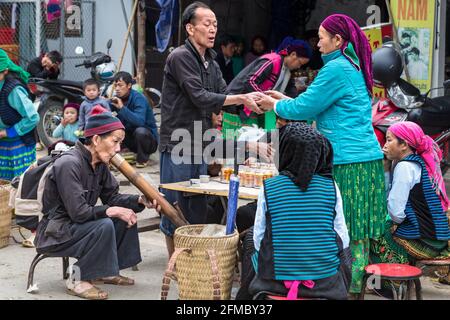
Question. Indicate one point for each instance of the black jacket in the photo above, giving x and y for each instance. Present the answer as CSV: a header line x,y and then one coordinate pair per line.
x,y
36,70
191,92
71,194
226,69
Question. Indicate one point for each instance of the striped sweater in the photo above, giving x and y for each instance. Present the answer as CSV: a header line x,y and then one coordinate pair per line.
x,y
299,242
425,217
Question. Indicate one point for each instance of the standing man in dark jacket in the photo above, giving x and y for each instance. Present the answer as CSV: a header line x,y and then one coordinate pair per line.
x,y
104,238
193,88
46,66
141,132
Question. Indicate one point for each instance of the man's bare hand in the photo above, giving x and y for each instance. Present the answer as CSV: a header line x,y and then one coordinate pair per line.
x,y
117,102
124,214
249,101
144,201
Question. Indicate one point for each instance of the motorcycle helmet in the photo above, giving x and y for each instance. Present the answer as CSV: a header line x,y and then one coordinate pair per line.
x,y
106,71
387,65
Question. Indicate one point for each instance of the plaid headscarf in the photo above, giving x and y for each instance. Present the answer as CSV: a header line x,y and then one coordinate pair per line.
x,y
303,152
6,63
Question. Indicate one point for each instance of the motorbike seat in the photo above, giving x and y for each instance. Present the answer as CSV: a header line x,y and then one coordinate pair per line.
x,y
62,82
433,116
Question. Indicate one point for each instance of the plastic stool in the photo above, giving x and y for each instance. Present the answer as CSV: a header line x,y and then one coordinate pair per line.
x,y
395,272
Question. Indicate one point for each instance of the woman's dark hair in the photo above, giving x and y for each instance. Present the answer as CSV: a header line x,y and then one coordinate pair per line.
x,y
189,12
88,141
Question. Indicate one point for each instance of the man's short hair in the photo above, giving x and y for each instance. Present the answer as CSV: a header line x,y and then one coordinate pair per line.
x,y
55,56
226,39
124,76
90,82
189,12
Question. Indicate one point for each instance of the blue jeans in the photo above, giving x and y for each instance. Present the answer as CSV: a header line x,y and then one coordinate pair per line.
x,y
194,207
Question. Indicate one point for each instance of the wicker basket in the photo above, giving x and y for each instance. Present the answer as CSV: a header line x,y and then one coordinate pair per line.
x,y
204,265
5,213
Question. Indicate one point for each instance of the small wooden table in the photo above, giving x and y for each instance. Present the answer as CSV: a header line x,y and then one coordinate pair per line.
x,y
212,188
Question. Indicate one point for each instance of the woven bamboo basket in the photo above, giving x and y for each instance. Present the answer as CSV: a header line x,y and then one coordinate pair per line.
x,y
5,213
204,265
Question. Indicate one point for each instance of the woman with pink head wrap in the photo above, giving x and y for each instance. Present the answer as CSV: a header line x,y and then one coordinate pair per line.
x,y
418,227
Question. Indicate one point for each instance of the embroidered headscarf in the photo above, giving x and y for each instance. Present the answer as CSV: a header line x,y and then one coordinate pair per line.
x,y
6,63
304,152
300,47
350,32
428,150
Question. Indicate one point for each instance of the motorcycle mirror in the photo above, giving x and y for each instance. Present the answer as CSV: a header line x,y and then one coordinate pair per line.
x,y
109,44
79,50
447,84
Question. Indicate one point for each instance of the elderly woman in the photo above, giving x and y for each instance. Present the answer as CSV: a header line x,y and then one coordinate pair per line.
x,y
339,100
418,227
103,238
300,240
18,118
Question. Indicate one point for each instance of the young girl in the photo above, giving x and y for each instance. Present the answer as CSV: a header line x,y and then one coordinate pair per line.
x,y
69,123
417,227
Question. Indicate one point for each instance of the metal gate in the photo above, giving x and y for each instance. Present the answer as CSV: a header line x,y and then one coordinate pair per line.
x,y
30,27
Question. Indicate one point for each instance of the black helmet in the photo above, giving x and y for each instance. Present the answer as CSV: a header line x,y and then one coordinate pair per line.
x,y
387,65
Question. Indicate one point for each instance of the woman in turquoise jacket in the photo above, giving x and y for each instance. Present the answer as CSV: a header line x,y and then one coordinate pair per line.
x,y
339,100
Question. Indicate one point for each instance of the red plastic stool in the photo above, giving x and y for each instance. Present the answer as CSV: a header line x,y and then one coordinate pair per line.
x,y
403,273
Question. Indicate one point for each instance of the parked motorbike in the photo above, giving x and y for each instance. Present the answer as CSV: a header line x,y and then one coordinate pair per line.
x,y
405,102
54,94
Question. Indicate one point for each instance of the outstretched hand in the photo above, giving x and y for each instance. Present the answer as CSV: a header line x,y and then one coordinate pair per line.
x,y
264,101
249,101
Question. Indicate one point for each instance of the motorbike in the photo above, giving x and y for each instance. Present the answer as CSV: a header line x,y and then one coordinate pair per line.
x,y
405,102
52,95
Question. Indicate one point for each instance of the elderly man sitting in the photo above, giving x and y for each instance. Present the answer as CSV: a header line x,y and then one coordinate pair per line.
x,y
103,238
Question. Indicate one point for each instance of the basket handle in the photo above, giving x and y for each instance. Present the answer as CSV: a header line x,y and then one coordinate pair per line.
x,y
169,271
215,274
171,266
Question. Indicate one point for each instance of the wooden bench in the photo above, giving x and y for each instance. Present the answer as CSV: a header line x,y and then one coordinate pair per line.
x,y
148,224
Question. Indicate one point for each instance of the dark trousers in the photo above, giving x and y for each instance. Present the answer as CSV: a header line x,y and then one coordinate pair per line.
x,y
102,247
245,217
141,141
194,208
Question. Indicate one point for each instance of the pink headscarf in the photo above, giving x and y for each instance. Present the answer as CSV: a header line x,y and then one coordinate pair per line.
x,y
349,30
426,148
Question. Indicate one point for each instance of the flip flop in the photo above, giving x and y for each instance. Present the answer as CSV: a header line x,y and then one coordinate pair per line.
x,y
29,243
93,293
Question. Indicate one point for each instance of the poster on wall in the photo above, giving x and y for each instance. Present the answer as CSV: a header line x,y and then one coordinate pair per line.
x,y
375,34
415,22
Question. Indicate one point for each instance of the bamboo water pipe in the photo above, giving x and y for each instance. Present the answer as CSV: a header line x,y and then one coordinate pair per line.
x,y
173,212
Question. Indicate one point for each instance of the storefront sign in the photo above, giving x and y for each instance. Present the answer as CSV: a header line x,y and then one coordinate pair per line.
x,y
415,22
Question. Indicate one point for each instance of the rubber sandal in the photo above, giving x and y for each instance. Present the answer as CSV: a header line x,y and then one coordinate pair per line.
x,y
29,243
93,293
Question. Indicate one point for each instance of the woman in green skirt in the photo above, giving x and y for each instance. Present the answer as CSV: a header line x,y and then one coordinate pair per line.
x,y
339,100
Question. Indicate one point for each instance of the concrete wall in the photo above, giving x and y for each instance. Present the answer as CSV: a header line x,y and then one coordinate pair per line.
x,y
110,24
